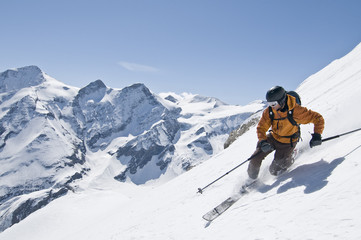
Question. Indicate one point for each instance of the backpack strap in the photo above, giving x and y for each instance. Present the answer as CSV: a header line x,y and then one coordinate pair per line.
x,y
291,120
271,114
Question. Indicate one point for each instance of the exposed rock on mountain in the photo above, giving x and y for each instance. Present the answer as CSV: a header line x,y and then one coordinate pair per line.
x,y
49,130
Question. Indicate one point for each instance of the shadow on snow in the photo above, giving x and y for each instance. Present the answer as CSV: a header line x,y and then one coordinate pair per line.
x,y
312,176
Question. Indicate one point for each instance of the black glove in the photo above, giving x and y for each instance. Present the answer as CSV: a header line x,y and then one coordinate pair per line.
x,y
316,140
265,146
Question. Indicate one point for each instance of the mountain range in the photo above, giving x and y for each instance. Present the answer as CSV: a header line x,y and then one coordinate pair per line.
x,y
50,134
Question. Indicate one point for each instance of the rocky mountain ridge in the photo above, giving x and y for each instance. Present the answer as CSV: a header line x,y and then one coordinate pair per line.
x,y
48,130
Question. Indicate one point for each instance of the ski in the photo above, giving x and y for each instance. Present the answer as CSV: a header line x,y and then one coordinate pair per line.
x,y
223,206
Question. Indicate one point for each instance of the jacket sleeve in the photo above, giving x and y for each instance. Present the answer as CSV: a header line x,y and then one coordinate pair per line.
x,y
303,115
263,125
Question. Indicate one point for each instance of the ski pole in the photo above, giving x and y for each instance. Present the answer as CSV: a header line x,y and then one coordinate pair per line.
x,y
336,136
200,190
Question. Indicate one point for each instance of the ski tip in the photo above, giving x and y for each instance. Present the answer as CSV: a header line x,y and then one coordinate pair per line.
x,y
200,190
209,218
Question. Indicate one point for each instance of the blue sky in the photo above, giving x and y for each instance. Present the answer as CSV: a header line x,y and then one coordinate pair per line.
x,y
234,50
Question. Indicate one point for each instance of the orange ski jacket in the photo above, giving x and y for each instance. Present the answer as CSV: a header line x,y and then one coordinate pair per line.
x,y
282,127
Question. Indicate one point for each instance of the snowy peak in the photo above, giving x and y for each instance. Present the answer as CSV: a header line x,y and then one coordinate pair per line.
x,y
191,98
139,87
140,92
16,79
93,92
92,87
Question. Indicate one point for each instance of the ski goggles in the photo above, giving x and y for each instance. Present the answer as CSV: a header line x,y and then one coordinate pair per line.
x,y
272,104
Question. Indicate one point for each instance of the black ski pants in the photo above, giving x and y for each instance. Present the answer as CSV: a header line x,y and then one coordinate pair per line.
x,y
282,158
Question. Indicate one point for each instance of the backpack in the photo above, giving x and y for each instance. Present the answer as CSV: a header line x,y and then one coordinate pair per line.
x,y
294,94
289,117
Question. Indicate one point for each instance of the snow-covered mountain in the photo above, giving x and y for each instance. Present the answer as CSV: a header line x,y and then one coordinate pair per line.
x,y
318,198
54,136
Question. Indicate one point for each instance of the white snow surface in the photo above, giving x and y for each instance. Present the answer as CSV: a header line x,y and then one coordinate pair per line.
x,y
318,198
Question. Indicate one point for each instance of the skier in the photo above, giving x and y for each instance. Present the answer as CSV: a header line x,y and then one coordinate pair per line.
x,y
283,116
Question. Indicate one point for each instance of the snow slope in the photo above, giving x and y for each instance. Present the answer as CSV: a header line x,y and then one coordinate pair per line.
x,y
318,198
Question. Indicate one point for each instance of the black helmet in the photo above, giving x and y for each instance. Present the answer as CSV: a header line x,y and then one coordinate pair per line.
x,y
276,93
